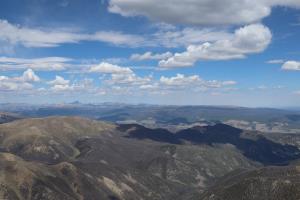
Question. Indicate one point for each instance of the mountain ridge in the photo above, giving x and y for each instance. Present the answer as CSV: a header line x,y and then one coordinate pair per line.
x,y
89,159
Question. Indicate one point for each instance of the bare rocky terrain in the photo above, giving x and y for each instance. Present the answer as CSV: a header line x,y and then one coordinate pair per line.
x,y
270,183
78,158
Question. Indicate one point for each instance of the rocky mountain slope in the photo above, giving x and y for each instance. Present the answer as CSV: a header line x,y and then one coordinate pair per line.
x,y
77,158
271,183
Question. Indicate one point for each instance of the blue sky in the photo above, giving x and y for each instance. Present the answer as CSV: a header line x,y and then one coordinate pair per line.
x,y
172,52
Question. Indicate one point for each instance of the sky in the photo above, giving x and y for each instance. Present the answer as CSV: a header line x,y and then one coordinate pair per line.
x,y
179,52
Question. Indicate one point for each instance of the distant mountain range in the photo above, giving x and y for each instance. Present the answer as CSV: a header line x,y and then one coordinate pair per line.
x,y
154,116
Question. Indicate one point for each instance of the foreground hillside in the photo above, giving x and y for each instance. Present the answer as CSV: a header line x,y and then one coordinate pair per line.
x,y
76,158
271,183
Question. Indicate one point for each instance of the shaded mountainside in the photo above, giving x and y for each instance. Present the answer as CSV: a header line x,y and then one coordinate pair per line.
x,y
271,183
253,145
8,117
77,158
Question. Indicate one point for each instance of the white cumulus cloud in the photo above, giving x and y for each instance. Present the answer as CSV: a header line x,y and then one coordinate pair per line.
x,y
60,84
36,37
250,39
277,61
180,80
38,64
59,81
199,12
291,66
129,79
107,68
30,76
150,56
193,81
19,83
